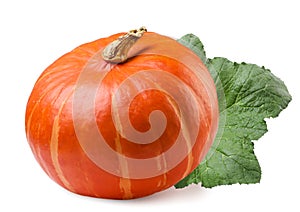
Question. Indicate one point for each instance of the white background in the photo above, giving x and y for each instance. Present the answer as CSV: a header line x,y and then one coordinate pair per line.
x,y
35,33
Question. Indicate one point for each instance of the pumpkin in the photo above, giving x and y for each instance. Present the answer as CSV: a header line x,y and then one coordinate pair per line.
x,y
122,117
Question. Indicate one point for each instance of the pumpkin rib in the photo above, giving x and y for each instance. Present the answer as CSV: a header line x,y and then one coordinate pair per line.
x,y
54,146
124,184
54,154
36,148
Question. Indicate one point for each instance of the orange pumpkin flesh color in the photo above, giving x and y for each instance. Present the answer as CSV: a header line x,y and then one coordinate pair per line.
x,y
126,126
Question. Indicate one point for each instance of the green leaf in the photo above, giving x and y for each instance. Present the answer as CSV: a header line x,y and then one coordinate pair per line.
x,y
193,42
247,95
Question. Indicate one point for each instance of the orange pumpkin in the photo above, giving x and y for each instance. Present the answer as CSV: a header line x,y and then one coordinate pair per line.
x,y
122,117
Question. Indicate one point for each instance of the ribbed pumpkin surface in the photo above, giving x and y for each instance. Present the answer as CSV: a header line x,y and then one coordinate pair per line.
x,y
125,130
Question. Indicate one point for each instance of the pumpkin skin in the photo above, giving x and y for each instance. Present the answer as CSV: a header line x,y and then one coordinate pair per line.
x,y
122,131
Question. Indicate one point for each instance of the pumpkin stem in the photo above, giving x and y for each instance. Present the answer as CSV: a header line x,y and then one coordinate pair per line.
x,y
116,51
